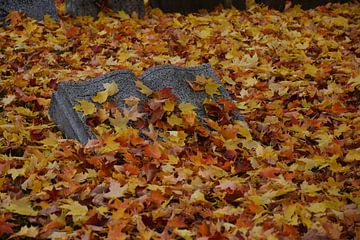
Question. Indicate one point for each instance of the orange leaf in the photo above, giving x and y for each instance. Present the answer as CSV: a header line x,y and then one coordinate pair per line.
x,y
153,150
204,229
157,198
177,222
71,31
270,172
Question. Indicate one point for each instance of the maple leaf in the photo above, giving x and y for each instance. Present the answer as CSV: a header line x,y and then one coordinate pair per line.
x,y
183,233
6,227
353,155
355,81
174,120
310,69
249,61
85,107
197,196
299,130
119,122
76,210
25,231
142,88
116,190
132,113
21,206
186,108
212,88
153,150
110,90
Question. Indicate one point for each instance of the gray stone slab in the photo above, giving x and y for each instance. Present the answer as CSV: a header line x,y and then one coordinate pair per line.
x,y
175,77
190,6
90,7
73,124
36,9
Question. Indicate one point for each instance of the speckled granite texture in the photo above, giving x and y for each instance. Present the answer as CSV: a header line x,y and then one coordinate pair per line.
x,y
189,6
36,9
90,7
73,125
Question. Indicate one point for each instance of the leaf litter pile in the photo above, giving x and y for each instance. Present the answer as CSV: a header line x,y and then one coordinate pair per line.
x,y
157,171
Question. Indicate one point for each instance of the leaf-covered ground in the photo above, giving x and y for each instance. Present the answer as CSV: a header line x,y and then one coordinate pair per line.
x,y
291,172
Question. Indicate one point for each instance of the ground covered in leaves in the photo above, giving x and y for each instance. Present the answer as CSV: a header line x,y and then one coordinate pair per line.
x,y
291,171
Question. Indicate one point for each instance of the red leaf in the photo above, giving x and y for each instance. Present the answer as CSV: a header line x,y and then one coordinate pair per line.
x,y
6,227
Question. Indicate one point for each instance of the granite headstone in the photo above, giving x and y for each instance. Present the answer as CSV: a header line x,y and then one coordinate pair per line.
x,y
274,4
91,7
189,6
73,124
36,9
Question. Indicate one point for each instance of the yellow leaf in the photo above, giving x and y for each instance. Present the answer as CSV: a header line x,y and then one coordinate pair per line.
x,y
310,189
244,131
119,122
109,144
85,107
250,82
355,81
353,155
110,90
25,231
290,215
185,234
205,33
15,172
229,81
310,69
176,23
248,61
169,106
341,21
173,159
22,207
317,207
302,45
174,120
212,88
197,196
186,108
25,112
122,15
232,144
76,210
100,97
102,210
143,89
227,211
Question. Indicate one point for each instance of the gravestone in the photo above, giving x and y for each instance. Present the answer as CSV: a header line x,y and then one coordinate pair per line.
x,y
72,123
189,6
36,9
275,4
91,7
309,4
